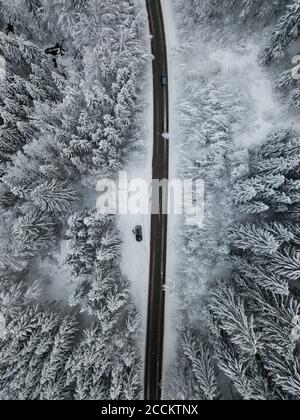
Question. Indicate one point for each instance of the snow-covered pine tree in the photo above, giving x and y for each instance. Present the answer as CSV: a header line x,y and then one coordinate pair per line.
x,y
54,197
15,109
36,231
19,53
43,86
288,86
53,378
15,292
14,257
285,81
252,238
94,259
286,33
240,10
37,345
106,365
253,311
31,18
29,81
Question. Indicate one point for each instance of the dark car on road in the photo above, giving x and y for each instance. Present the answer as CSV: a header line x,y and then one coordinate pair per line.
x,y
164,80
138,232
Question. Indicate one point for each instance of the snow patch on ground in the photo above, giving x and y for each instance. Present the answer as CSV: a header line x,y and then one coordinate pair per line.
x,y
174,221
57,282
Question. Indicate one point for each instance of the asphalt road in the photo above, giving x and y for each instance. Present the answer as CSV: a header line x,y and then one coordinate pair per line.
x,y
159,222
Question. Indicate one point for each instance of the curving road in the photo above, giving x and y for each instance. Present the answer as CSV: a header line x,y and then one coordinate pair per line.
x,y
159,222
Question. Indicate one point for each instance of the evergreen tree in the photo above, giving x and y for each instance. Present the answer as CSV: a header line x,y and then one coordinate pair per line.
x,y
105,365
286,32
243,10
59,129
195,376
54,197
273,182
